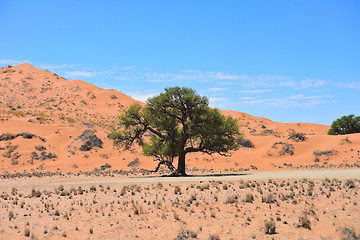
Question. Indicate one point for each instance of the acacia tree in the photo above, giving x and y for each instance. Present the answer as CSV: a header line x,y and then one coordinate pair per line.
x,y
175,123
345,125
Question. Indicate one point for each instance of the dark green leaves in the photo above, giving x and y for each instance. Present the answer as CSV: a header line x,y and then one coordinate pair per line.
x,y
345,125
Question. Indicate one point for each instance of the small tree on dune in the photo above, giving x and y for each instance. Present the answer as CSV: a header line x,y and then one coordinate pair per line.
x,y
345,125
175,123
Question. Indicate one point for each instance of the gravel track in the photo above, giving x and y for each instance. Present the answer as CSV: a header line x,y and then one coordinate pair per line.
x,y
49,183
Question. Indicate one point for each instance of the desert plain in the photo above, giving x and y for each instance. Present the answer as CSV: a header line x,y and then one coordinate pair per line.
x,y
61,177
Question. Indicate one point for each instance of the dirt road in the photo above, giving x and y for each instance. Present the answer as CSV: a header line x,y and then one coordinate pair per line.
x,y
49,183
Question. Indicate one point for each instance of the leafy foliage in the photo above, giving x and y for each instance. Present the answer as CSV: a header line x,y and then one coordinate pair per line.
x,y
345,125
175,123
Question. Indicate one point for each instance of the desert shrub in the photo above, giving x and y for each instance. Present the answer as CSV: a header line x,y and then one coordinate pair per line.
x,y
14,158
345,140
40,148
327,153
287,149
7,136
18,113
345,125
270,226
176,216
35,193
41,116
249,198
203,187
267,132
113,97
9,150
57,213
11,215
134,162
90,95
70,119
214,237
270,198
185,234
246,143
350,234
297,136
350,184
27,232
231,199
304,222
177,190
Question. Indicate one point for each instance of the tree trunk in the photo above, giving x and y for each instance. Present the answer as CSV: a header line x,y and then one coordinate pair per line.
x,y
181,164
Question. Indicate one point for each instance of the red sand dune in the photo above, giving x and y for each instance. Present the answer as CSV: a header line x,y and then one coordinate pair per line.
x,y
58,110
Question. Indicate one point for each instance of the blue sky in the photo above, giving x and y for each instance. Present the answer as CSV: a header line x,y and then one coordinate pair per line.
x,y
290,61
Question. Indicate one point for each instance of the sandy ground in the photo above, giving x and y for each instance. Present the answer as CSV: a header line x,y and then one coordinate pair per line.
x,y
301,205
49,183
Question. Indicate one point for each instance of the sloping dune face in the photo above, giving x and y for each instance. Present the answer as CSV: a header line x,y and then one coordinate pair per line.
x,y
48,123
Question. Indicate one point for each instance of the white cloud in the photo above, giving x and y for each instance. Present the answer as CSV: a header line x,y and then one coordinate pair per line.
x,y
299,100
60,66
247,98
141,96
218,102
215,90
255,91
87,74
11,62
309,83
79,74
352,85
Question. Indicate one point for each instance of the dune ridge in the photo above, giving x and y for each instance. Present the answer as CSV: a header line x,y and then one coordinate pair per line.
x,y
57,111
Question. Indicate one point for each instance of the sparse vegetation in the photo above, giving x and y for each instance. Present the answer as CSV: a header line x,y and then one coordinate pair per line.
x,y
304,222
249,198
246,143
297,136
270,226
27,232
157,202
350,234
287,149
345,140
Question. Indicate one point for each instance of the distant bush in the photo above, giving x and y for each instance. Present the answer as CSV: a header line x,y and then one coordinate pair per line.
x,y
41,116
287,149
270,227
345,125
246,143
319,153
304,222
297,136
350,234
345,140
185,234
249,198
267,132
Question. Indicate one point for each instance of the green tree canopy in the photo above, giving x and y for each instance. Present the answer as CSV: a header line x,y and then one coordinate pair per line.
x,y
174,123
345,125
